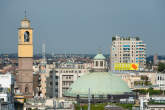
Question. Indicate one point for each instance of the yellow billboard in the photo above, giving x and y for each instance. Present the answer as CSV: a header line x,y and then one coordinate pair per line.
x,y
126,66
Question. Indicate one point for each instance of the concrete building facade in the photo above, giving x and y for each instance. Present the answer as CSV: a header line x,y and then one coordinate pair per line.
x,y
67,73
67,76
160,81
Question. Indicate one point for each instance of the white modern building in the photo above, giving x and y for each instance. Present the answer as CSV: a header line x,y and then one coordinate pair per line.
x,y
6,80
127,50
6,99
6,91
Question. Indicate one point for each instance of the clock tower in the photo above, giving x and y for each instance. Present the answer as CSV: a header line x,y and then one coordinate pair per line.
x,y
25,59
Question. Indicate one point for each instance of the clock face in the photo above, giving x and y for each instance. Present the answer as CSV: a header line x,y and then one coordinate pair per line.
x,y
26,36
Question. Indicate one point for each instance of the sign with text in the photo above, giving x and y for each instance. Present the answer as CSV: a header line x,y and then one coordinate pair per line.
x,y
126,66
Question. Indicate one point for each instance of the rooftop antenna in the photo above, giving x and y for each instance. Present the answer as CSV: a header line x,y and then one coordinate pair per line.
x,y
25,13
65,55
43,60
99,50
70,54
52,54
43,53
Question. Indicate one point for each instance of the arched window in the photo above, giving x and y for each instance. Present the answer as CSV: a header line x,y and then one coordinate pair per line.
x,y
101,63
26,36
96,63
26,90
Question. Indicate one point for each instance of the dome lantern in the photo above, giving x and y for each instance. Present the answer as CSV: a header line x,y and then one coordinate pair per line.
x,y
25,23
99,63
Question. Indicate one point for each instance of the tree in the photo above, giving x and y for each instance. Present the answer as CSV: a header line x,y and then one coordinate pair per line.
x,y
113,38
137,38
144,78
161,67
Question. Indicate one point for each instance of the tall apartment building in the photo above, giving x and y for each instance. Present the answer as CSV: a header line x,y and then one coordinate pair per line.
x,y
127,50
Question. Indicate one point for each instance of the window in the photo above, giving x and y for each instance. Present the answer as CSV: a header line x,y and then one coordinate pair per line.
x,y
50,83
26,36
26,90
96,63
101,63
2,99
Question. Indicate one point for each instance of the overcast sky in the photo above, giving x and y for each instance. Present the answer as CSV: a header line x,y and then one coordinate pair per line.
x,y
83,26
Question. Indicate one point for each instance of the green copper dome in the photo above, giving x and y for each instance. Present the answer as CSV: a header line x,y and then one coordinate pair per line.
x,y
100,83
99,57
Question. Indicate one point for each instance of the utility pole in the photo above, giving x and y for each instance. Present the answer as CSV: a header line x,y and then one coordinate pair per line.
x,y
89,104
